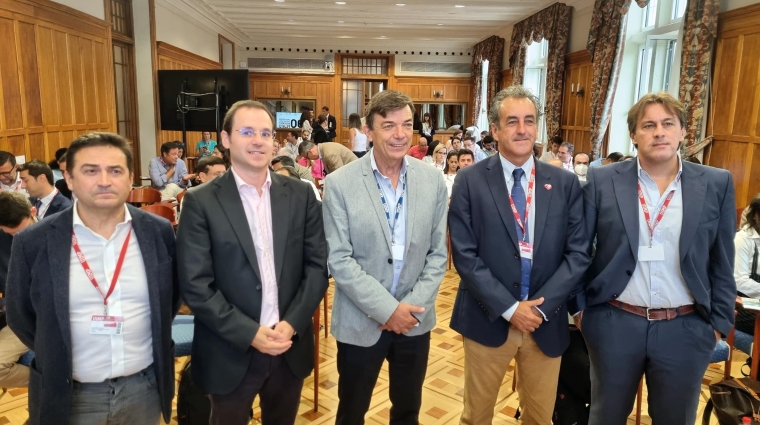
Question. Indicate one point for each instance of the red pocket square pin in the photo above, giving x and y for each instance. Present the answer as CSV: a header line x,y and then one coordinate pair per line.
x,y
548,186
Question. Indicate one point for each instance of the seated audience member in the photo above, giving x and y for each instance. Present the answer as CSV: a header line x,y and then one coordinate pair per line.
x,y
37,179
285,161
319,133
180,150
469,143
428,158
438,157
466,158
556,162
205,147
553,151
16,214
580,166
333,155
55,164
450,171
275,147
456,143
168,173
565,154
61,185
209,168
747,264
419,150
9,179
489,145
611,158
290,146
628,158
305,135
290,171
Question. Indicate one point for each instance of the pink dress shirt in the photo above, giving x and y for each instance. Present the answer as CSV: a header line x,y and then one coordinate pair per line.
x,y
258,212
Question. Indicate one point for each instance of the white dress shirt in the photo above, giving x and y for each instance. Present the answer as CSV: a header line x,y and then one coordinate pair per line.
x,y
659,284
258,213
96,358
15,187
527,167
46,204
746,242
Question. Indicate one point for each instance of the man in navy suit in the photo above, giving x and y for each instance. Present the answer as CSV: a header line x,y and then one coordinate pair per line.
x,y
37,179
660,290
518,243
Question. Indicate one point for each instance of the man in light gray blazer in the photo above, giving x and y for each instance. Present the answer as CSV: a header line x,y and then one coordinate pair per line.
x,y
385,223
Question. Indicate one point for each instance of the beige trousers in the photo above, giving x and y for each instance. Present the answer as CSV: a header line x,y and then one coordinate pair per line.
x,y
12,374
170,192
484,370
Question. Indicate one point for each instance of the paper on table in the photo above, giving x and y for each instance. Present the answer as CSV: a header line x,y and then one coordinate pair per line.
x,y
751,303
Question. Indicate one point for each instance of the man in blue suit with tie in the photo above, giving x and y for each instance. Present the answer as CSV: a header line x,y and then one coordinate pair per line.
x,y
660,290
518,243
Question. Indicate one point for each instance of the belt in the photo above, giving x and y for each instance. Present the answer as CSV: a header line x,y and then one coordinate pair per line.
x,y
654,313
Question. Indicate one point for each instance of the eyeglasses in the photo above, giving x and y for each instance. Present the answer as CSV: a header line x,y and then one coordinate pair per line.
x,y
248,132
441,152
9,172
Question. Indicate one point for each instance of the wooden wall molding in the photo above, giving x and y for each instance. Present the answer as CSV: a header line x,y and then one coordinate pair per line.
x,y
176,54
581,56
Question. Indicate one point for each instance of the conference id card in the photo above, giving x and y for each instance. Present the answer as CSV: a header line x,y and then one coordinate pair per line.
x,y
398,252
652,253
106,325
526,250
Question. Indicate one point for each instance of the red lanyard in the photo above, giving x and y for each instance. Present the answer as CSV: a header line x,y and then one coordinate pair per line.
x,y
528,200
661,213
91,275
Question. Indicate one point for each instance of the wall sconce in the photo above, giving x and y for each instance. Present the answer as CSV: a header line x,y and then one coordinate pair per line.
x,y
284,90
437,94
577,91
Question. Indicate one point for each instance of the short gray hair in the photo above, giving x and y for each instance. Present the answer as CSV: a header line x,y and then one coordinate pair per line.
x,y
512,92
304,147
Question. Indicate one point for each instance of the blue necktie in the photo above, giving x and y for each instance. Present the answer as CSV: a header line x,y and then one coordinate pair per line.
x,y
38,206
518,197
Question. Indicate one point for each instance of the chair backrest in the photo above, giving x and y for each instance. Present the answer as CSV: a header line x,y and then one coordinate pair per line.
x,y
161,210
144,195
179,198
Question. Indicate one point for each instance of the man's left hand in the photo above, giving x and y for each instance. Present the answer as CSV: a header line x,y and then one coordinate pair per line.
x,y
284,328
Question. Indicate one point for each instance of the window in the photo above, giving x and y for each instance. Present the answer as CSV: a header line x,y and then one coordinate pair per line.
x,y
534,78
679,8
655,71
121,17
365,66
650,14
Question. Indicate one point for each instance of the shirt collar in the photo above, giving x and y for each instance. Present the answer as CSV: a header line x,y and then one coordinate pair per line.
x,y
374,164
509,167
240,183
15,185
645,176
78,220
49,198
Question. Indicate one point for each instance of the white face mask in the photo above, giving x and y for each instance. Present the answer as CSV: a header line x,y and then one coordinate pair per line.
x,y
581,169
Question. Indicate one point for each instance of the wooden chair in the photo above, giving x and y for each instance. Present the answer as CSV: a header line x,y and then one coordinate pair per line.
x,y
179,199
143,196
161,210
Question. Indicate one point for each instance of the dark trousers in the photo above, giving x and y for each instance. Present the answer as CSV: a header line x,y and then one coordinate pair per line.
x,y
673,354
359,368
271,379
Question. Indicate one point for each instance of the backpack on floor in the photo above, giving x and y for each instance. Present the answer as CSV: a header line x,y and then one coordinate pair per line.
x,y
732,400
193,405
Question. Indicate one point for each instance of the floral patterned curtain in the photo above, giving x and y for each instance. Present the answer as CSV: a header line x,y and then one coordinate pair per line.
x,y
491,49
552,23
605,44
700,27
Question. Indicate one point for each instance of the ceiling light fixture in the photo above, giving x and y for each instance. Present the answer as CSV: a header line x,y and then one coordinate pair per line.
x,y
340,22
459,5
400,4
340,2
279,1
440,25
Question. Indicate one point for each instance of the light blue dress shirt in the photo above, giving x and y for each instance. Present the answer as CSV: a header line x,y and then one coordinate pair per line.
x,y
659,284
391,197
157,171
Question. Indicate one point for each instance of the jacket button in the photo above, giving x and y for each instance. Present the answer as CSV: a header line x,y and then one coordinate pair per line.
x,y
68,381
517,256
390,261
516,285
629,273
614,295
258,287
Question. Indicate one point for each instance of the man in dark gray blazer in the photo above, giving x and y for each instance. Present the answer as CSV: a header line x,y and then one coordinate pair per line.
x,y
660,290
516,272
102,338
254,269
385,221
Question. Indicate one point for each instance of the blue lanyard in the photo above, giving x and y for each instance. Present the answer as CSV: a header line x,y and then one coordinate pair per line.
x,y
399,205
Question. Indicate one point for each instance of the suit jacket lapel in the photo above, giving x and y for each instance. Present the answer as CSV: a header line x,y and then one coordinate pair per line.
x,y
693,190
280,200
625,185
59,258
148,238
232,205
411,207
498,187
540,206
370,184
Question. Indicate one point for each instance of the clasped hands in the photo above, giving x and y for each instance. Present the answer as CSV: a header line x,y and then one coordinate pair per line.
x,y
526,317
274,341
402,321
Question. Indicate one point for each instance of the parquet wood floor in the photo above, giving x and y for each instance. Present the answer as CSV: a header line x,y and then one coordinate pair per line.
x,y
443,387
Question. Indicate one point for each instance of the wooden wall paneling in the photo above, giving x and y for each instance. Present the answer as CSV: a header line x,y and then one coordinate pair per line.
x,y
734,107
48,85
506,78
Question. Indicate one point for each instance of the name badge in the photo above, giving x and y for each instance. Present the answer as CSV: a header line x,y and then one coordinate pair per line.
x,y
398,252
526,250
106,325
652,253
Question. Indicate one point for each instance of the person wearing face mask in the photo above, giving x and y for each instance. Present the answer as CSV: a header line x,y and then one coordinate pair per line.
x,y
580,166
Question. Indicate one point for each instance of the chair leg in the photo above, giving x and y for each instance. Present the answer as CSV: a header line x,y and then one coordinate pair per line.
x,y
730,342
638,401
316,360
327,294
